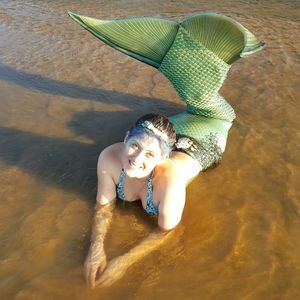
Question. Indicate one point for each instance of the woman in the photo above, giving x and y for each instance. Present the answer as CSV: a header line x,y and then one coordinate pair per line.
x,y
143,168
195,55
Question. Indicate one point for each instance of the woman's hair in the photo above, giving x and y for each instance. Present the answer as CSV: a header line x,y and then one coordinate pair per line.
x,y
158,126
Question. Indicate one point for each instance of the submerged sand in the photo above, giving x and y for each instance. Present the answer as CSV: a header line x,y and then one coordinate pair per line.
x,y
65,96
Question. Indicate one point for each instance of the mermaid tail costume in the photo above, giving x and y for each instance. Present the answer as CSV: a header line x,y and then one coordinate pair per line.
x,y
195,55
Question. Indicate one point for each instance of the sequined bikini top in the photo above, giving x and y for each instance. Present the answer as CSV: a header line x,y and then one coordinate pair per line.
x,y
151,208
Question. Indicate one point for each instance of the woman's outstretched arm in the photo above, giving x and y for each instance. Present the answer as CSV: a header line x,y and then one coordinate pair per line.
x,y
170,211
118,266
95,261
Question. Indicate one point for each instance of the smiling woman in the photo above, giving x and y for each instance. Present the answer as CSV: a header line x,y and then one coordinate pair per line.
x,y
153,164
145,167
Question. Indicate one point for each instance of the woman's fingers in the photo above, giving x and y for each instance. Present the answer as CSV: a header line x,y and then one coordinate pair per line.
x,y
94,267
114,271
101,268
90,274
94,264
91,267
101,281
104,276
107,279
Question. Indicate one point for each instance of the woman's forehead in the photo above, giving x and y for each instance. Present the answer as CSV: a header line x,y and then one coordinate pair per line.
x,y
147,142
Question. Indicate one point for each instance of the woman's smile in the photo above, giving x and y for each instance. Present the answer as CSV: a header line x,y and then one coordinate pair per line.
x,y
133,165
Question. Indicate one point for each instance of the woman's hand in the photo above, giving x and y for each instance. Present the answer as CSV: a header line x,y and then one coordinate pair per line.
x,y
117,267
94,264
115,270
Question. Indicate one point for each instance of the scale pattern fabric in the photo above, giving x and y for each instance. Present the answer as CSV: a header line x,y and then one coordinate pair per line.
x,y
195,55
198,77
198,127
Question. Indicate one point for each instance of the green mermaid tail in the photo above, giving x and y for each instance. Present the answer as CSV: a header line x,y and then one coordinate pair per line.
x,y
146,39
195,55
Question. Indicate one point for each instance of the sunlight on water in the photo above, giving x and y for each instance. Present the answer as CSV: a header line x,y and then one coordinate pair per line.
x,y
65,96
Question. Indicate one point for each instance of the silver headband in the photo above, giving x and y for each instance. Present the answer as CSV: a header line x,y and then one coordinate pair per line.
x,y
150,126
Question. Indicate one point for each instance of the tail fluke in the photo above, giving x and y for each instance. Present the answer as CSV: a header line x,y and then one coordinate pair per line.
x,y
146,39
225,37
195,55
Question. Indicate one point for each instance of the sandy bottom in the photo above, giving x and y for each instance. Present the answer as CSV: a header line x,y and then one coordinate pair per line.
x,y
65,96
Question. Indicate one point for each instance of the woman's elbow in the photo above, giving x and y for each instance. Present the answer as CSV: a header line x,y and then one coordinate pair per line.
x,y
165,227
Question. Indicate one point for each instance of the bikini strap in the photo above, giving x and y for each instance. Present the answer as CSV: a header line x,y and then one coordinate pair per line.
x,y
151,208
120,185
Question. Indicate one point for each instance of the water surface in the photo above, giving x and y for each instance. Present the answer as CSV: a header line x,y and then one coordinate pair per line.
x,y
65,96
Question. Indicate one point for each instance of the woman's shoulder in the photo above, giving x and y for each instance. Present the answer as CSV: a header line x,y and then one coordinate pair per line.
x,y
110,160
113,150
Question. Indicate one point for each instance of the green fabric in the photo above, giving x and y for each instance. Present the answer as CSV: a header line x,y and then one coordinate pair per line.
x,y
149,39
222,35
198,76
195,55
146,39
198,127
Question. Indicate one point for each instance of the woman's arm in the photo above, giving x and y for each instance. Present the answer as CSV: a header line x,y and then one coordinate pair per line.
x,y
95,262
118,266
170,211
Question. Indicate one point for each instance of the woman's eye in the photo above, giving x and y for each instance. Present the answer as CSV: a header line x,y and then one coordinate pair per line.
x,y
134,145
149,155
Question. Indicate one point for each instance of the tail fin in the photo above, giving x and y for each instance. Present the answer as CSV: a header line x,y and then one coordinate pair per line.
x,y
146,39
195,55
225,37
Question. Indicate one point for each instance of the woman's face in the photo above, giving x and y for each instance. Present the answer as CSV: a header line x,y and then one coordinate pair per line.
x,y
141,155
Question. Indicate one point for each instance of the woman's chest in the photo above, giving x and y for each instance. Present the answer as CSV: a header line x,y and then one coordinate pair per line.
x,y
131,190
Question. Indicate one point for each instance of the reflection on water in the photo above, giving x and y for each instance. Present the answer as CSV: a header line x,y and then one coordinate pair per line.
x,y
65,96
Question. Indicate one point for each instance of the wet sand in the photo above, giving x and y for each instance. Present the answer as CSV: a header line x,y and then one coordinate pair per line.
x,y
65,96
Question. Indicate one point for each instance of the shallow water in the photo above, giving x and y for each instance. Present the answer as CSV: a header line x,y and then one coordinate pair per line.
x,y
65,96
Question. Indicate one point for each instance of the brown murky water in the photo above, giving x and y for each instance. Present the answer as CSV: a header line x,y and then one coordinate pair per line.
x,y
65,96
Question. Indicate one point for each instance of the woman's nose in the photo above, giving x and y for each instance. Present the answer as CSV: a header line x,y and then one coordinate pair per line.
x,y
138,158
